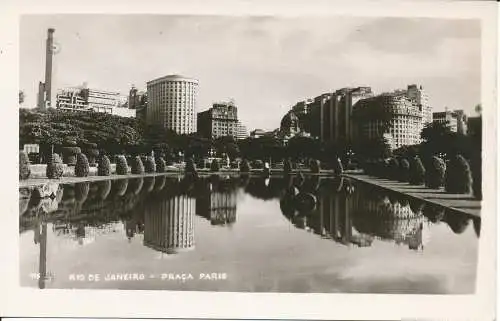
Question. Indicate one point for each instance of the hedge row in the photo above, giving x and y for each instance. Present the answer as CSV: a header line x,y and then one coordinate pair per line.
x,y
455,176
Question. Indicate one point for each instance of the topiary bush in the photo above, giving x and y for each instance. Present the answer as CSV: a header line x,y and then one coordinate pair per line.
x,y
477,178
24,165
417,172
214,166
394,168
190,166
82,165
137,167
245,166
121,165
93,154
434,173
287,166
338,169
161,165
314,166
104,166
458,177
404,170
150,165
55,168
69,154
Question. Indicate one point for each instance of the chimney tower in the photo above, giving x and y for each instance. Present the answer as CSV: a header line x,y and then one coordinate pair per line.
x,y
50,97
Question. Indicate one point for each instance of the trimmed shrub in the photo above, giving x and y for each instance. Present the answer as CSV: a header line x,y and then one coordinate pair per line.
x,y
104,166
338,169
69,154
150,165
314,166
24,165
458,177
55,167
404,170
121,165
214,167
477,178
190,166
137,167
287,166
245,166
417,172
161,165
393,168
82,165
434,173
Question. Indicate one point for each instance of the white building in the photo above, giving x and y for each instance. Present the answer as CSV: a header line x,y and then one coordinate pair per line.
x,y
172,103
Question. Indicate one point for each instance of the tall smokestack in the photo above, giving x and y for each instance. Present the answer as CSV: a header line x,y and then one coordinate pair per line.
x,y
48,67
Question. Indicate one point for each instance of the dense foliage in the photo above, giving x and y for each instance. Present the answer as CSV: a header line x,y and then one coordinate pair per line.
x,y
121,165
393,169
417,171
69,154
104,166
137,167
55,167
458,177
82,165
24,165
434,173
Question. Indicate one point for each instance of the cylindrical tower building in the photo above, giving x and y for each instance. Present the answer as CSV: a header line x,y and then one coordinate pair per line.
x,y
172,103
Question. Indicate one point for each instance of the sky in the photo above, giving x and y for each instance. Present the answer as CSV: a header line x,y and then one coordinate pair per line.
x,y
265,63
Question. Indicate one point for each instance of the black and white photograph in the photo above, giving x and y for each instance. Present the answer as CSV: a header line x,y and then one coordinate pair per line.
x,y
256,153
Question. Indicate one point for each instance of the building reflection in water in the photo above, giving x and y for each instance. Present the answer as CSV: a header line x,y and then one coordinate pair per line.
x,y
169,224
216,199
355,214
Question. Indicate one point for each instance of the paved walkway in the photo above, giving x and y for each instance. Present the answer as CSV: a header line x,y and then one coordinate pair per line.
x,y
459,202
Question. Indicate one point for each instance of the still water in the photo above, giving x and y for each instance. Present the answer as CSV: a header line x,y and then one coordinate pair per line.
x,y
244,234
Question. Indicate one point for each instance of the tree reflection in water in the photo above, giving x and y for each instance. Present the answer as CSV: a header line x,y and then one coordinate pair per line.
x,y
161,210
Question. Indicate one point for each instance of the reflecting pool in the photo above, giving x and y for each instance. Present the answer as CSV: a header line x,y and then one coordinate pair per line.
x,y
278,234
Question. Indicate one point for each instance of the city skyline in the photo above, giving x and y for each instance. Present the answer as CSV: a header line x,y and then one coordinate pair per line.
x,y
266,64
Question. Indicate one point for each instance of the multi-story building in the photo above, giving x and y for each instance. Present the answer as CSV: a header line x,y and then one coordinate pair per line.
x,y
138,100
82,98
218,121
327,116
172,103
169,224
72,99
242,131
216,202
336,113
456,120
421,98
389,115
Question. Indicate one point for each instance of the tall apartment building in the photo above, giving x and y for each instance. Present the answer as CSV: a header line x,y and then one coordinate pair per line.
x,y
390,115
218,121
172,103
242,131
457,120
169,224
